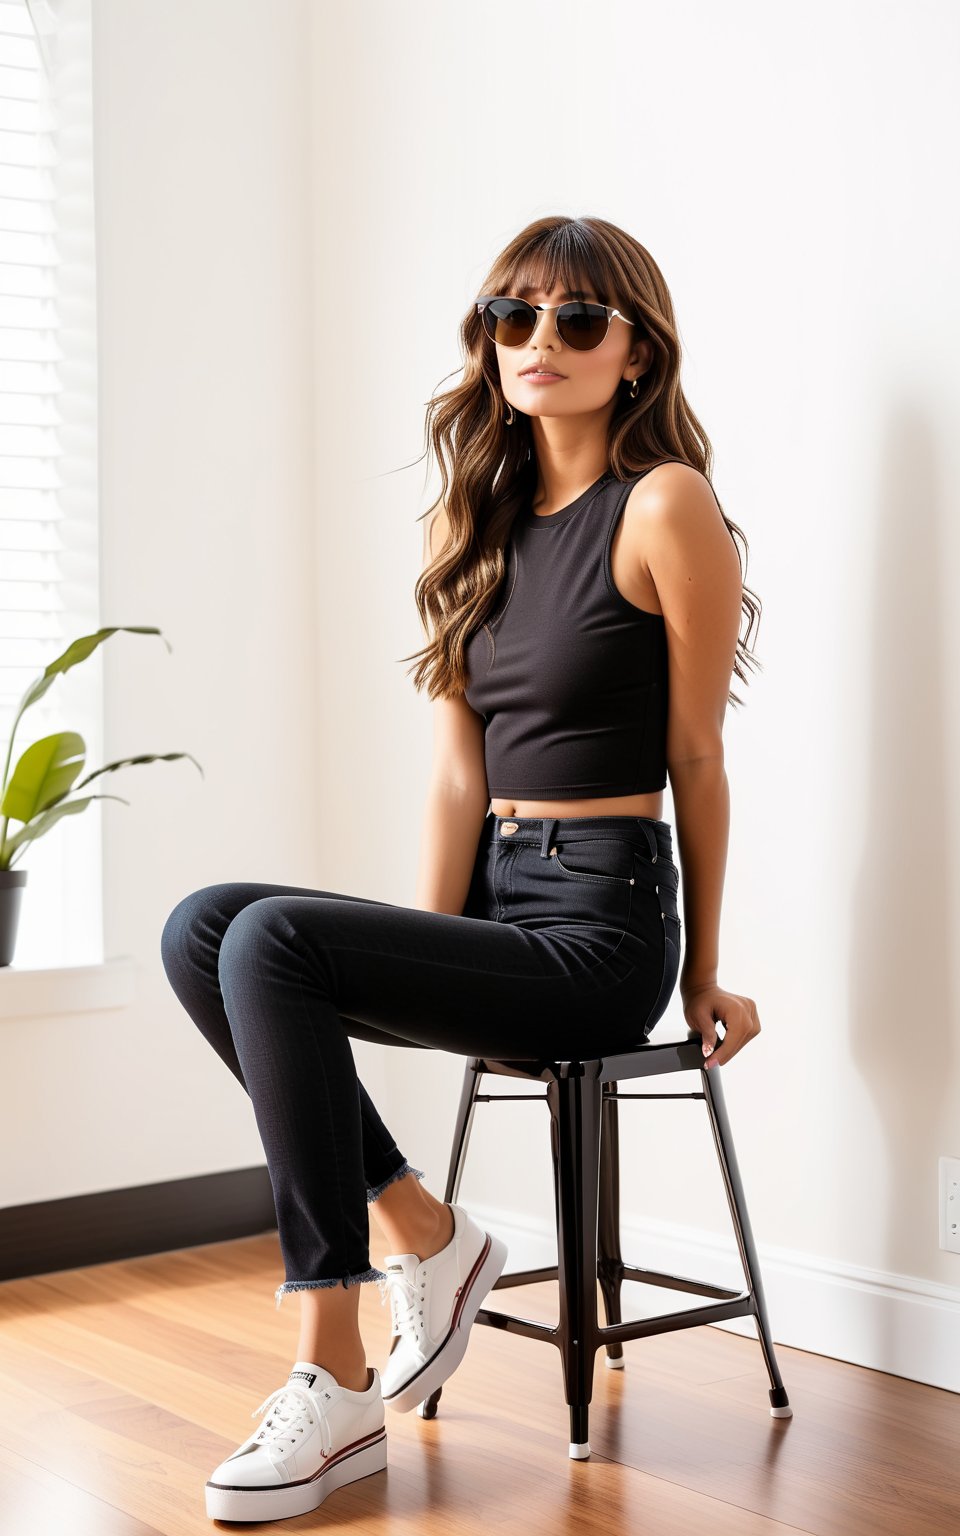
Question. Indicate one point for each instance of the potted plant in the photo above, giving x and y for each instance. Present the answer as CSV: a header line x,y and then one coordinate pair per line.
x,y
35,794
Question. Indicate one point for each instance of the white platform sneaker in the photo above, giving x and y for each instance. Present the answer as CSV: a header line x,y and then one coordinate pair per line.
x,y
434,1302
316,1437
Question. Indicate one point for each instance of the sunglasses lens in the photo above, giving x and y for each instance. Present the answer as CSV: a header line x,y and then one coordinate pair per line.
x,y
508,321
582,326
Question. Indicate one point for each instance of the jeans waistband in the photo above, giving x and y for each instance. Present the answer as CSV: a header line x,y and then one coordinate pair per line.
x,y
645,832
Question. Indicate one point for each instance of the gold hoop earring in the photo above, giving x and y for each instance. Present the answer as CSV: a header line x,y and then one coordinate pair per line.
x,y
635,388
509,420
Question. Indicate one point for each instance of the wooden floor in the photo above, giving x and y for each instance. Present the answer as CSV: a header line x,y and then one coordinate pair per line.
x,y
122,1386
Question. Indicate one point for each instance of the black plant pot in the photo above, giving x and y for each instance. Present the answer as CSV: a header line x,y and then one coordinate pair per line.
x,y
12,882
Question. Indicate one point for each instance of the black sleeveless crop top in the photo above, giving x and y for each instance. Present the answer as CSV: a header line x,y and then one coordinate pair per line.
x,y
573,688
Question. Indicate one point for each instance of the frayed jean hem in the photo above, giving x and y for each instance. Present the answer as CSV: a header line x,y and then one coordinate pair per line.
x,y
313,1285
374,1194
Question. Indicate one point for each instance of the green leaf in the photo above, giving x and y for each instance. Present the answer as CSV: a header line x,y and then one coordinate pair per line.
x,y
44,775
129,762
44,822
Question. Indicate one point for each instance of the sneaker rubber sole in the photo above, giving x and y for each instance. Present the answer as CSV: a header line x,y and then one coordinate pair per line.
x,y
354,1461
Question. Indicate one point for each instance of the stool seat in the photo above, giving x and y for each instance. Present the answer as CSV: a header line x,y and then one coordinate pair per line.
x,y
583,1099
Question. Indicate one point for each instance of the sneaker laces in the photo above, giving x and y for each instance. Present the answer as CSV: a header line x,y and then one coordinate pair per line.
x,y
403,1294
291,1406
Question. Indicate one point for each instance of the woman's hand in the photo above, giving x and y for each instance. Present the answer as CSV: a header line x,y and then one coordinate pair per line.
x,y
707,1005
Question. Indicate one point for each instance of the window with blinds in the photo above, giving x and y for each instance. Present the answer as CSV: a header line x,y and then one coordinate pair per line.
x,y
49,590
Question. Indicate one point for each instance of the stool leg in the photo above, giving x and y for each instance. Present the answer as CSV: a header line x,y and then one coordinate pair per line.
x,y
469,1089
723,1137
575,1104
610,1258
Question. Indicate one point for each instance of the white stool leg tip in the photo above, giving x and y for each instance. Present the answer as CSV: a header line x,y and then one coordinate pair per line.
x,y
614,1365
580,1452
781,1413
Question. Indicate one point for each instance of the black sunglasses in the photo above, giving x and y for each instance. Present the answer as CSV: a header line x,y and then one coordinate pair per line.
x,y
580,325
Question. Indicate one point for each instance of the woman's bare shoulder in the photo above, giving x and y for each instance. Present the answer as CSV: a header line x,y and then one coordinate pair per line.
x,y
436,533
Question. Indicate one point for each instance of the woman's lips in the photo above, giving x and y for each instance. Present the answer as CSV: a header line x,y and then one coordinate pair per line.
x,y
543,378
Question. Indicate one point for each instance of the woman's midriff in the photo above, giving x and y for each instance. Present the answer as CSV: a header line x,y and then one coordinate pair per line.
x,y
616,805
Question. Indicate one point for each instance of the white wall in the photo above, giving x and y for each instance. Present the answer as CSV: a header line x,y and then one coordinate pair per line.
x,y
789,170
203,183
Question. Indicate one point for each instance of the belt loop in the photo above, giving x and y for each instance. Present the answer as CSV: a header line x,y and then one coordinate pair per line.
x,y
549,827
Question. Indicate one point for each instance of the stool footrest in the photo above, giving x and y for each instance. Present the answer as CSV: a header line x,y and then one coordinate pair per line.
x,y
618,1272
549,1332
675,1282
740,1305
525,1277
667,1322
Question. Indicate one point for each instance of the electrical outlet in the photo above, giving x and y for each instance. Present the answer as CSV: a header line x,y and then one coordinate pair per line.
x,y
950,1204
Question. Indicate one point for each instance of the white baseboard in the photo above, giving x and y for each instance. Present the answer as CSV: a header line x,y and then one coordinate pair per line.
x,y
886,1322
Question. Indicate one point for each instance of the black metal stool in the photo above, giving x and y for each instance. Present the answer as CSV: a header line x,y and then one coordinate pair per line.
x,y
582,1097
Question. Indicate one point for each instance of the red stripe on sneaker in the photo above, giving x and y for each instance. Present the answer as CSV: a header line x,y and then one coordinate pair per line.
x,y
468,1283
347,1450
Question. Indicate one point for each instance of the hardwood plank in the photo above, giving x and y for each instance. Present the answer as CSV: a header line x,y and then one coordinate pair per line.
x,y
37,1503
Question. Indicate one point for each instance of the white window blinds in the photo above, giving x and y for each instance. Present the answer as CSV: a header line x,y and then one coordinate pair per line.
x,y
49,590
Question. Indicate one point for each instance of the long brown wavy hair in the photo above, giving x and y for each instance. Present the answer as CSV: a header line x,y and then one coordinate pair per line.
x,y
488,471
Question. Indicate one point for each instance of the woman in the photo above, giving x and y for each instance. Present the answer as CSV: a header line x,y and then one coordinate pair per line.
x,y
582,596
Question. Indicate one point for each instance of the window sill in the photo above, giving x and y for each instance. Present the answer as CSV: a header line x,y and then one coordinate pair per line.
x,y
55,989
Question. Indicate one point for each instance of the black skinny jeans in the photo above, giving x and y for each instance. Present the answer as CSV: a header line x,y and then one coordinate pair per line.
x,y
568,947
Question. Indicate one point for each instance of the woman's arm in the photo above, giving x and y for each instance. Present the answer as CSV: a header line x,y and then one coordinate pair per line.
x,y
457,798
452,821
693,563
701,799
